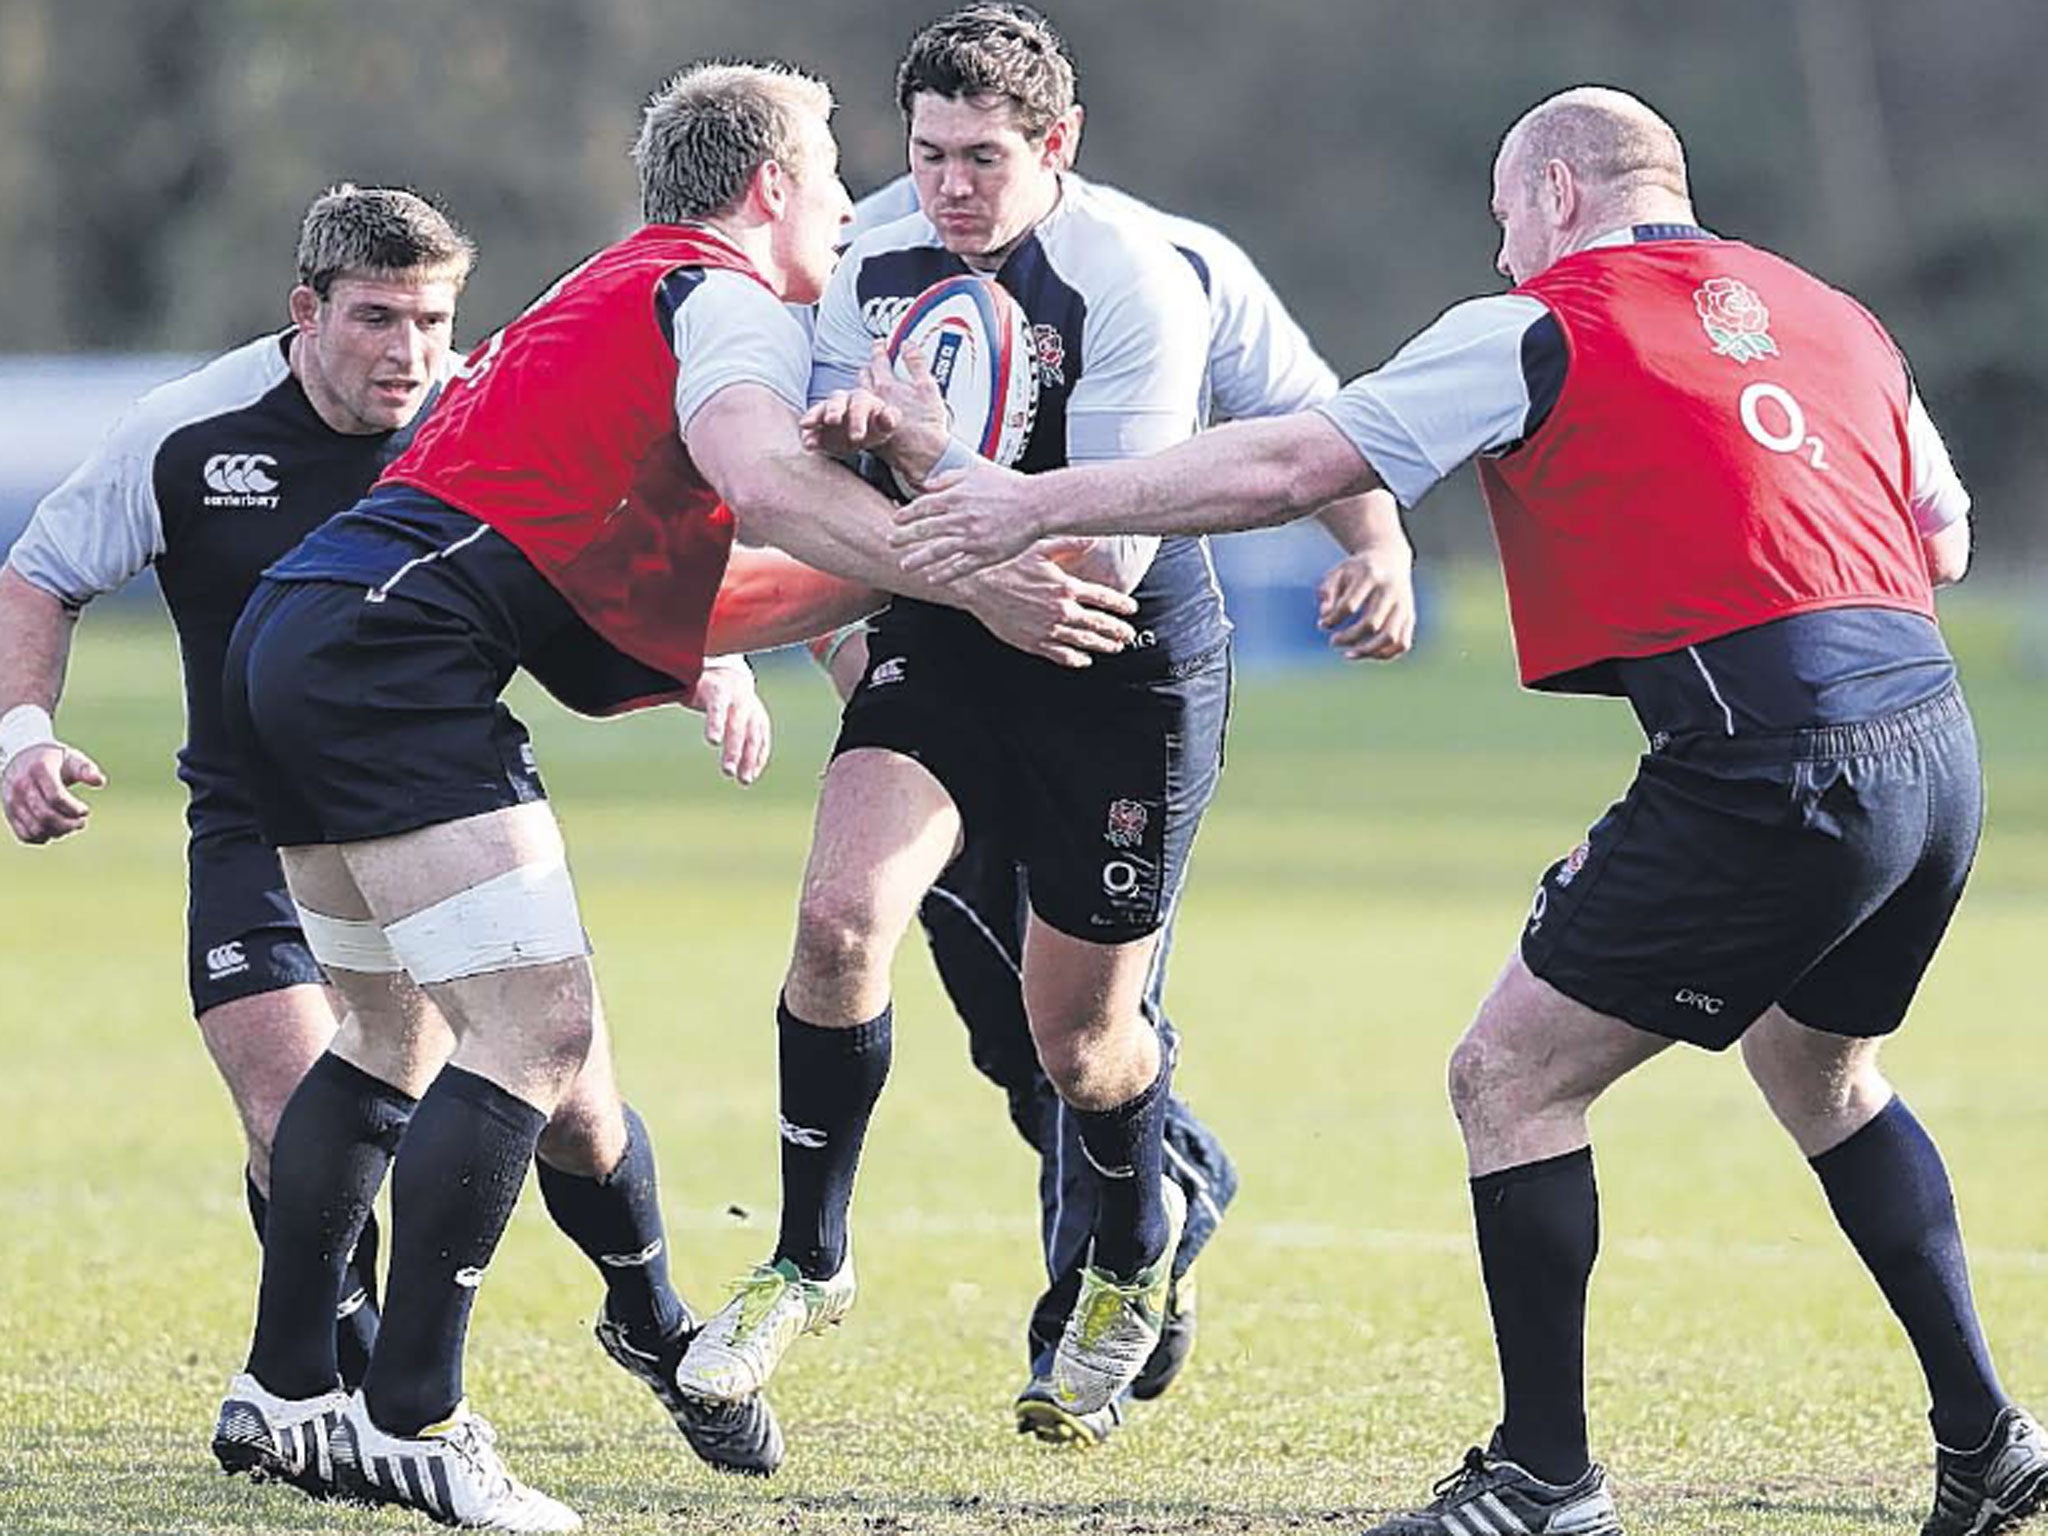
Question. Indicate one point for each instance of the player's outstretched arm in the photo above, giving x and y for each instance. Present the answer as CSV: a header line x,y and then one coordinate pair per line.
x,y
1367,600
37,771
745,441
1253,474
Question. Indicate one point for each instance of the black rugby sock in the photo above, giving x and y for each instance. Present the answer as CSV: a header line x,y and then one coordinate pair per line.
x,y
616,1221
355,1321
333,1146
1126,1148
830,1079
1539,1232
1890,1193
454,1190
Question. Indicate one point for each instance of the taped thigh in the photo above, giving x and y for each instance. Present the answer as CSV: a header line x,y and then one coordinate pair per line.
x,y
524,917
348,944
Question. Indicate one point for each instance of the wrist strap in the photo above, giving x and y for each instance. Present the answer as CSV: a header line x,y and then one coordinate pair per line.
x,y
958,456
22,727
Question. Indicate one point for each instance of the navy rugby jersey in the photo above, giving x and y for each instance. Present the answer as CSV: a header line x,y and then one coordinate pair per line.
x,y
1480,381
1120,330
210,478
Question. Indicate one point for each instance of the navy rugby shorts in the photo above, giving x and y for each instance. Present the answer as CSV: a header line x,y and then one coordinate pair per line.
x,y
1096,783
241,930
357,719
1815,870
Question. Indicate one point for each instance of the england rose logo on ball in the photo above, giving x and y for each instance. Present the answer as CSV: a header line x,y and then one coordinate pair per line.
x,y
1735,320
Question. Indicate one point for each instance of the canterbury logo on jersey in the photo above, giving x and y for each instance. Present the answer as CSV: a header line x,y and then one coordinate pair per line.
x,y
240,480
880,315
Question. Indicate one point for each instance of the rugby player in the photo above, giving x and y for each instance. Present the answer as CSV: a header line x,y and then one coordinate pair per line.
x,y
1260,363
565,510
1717,494
314,415
209,478
1094,782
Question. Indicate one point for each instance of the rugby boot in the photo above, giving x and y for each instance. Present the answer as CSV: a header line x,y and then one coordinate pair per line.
x,y
1115,1324
735,1353
1489,1495
288,1440
449,1471
1994,1487
1169,1356
1040,1415
740,1437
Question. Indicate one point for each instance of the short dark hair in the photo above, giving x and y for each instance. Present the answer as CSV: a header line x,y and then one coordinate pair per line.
x,y
991,50
382,232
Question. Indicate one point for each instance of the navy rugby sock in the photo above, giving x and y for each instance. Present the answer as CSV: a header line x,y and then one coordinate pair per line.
x,y
453,1191
1125,1146
355,1319
1539,1232
333,1146
616,1221
1890,1193
831,1079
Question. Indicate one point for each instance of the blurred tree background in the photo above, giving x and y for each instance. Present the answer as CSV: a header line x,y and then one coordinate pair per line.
x,y
155,155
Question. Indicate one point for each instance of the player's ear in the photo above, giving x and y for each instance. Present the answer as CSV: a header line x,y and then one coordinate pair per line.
x,y
771,186
1561,189
304,305
1063,139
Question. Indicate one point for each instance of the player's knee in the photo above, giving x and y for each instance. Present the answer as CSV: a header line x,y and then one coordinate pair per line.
x,y
1482,1083
585,1139
836,936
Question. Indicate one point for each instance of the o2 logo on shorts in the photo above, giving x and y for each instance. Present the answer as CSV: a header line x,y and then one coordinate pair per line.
x,y
1538,909
1120,879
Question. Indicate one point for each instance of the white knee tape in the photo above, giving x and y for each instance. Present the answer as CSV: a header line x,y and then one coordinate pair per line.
x,y
349,944
524,917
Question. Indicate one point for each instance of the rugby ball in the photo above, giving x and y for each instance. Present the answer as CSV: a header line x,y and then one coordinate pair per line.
x,y
977,343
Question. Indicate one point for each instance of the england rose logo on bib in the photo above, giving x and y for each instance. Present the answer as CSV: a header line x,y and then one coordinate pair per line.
x,y
1735,320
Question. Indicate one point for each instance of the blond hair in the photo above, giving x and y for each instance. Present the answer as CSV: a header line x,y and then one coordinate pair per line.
x,y
708,130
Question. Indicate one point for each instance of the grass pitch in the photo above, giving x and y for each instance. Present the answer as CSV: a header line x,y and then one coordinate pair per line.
x,y
1362,875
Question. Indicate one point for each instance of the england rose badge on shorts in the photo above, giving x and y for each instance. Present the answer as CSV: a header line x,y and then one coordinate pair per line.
x,y
1126,829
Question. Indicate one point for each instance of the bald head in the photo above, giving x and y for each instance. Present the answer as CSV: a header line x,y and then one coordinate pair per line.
x,y
1615,145
1587,161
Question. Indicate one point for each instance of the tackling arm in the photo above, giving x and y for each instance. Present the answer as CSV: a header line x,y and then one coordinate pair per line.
x,y
1252,474
745,441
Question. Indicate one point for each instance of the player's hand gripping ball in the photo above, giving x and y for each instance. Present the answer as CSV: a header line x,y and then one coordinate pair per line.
x,y
975,340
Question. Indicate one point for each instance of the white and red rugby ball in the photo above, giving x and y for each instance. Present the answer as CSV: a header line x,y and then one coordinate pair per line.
x,y
977,343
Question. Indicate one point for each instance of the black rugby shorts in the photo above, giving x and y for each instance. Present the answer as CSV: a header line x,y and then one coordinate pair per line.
x,y
1815,870
357,719
1097,784
242,933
